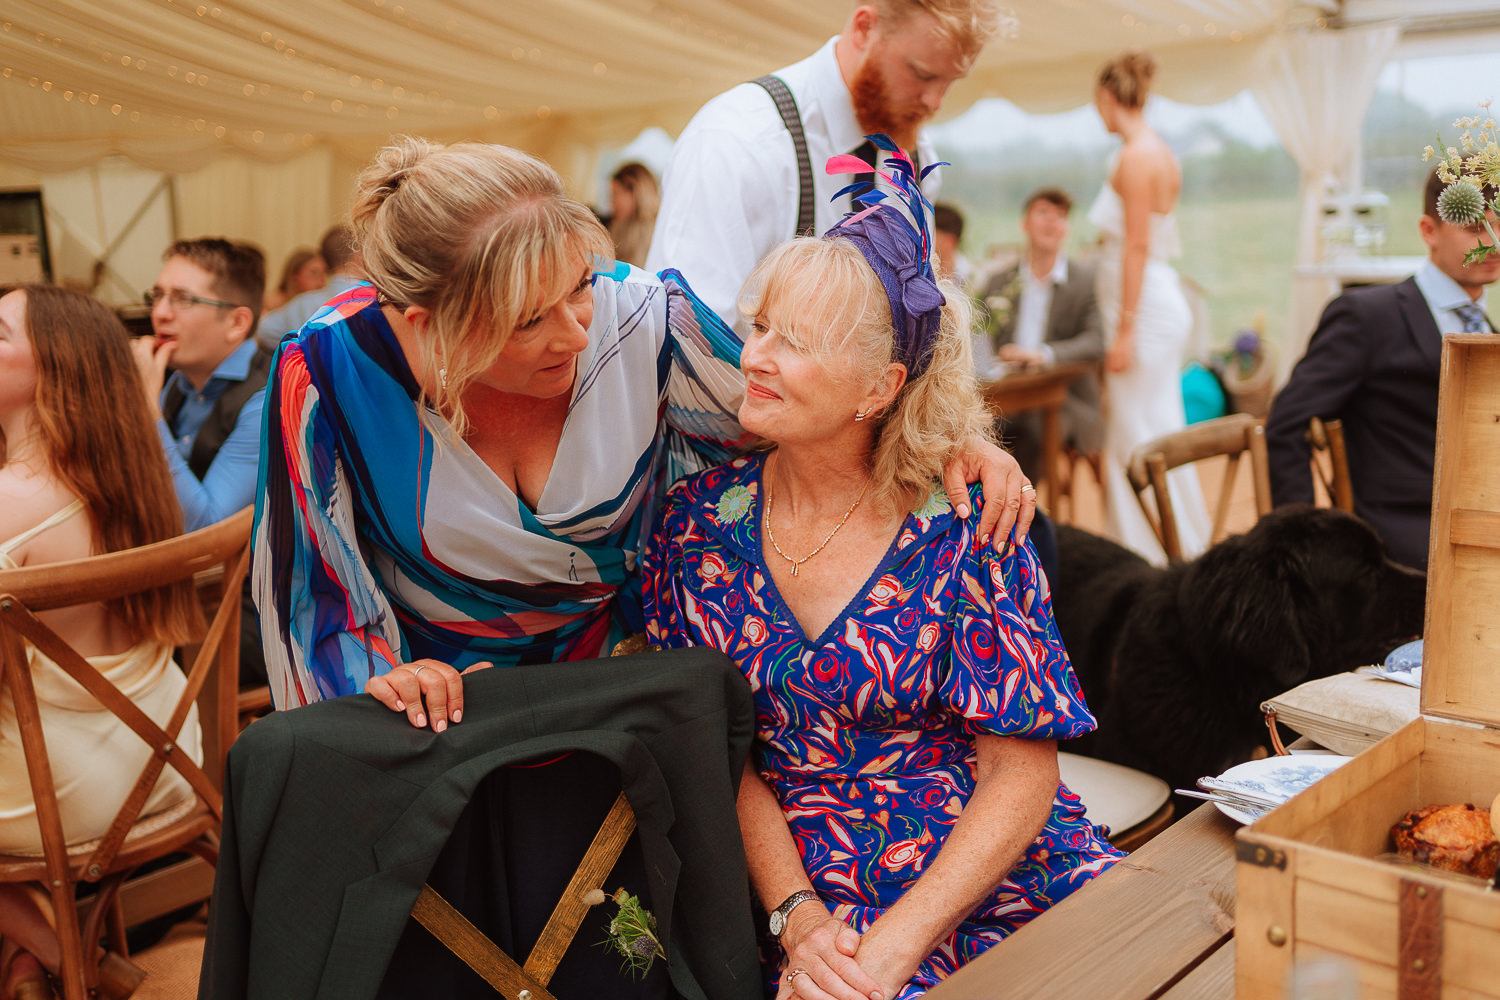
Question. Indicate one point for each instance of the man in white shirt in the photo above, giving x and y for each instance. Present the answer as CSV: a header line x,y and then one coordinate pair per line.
x,y
1373,363
732,189
1042,311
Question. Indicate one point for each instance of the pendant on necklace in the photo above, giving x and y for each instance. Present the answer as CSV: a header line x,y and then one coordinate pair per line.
x,y
794,569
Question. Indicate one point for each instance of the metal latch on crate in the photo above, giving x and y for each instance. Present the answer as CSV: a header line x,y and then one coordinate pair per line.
x,y
1259,855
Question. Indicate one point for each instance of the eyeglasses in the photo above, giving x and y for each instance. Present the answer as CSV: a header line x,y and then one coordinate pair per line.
x,y
178,299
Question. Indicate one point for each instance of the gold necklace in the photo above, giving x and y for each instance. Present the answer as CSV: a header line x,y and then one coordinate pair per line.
x,y
770,499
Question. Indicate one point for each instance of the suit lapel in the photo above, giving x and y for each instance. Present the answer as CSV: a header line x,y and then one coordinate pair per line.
x,y
1420,325
1060,320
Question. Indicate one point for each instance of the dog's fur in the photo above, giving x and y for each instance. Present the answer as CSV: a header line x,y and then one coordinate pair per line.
x,y
1176,662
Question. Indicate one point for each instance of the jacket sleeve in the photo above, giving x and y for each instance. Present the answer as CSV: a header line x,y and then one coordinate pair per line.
x,y
1087,344
1329,373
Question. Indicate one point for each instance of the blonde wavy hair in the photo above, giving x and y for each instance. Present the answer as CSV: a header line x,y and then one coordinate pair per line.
x,y
831,304
482,236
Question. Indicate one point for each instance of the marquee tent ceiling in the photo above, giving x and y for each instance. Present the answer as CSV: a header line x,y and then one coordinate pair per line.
x,y
179,81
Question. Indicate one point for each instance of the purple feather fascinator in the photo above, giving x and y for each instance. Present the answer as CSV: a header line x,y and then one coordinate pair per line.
x,y
897,245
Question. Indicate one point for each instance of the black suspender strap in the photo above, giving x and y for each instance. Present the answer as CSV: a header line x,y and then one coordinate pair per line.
x,y
787,105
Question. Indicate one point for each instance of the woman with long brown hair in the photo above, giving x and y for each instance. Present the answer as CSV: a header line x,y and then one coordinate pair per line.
x,y
81,474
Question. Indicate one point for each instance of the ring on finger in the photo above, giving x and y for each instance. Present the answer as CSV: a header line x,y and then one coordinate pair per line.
x,y
420,667
791,975
1028,488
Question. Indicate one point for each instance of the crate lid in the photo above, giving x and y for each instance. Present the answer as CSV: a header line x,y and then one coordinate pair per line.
x,y
1461,654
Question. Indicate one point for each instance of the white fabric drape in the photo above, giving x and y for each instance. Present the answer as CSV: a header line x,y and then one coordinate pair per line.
x,y
1315,87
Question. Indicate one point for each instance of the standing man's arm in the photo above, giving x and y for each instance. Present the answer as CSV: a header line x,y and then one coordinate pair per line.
x,y
1321,384
724,203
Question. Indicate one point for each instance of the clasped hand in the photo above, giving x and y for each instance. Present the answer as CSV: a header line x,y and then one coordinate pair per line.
x,y
424,689
823,947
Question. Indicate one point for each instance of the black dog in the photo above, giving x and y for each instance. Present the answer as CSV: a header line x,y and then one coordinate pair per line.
x,y
1176,662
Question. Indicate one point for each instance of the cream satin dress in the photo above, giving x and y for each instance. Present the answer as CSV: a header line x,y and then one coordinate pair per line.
x,y
1146,401
95,759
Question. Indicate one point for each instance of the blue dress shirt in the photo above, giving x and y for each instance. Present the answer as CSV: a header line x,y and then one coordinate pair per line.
x,y
229,483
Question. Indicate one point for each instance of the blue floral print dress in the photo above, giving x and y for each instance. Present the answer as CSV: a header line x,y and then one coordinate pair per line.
x,y
866,734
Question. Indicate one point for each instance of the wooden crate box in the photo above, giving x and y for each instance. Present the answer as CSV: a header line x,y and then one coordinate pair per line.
x,y
1308,883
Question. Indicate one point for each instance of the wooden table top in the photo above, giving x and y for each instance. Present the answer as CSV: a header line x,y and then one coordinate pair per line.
x,y
1157,926
1027,388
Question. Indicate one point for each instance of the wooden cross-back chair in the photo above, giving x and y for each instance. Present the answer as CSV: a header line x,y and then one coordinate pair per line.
x,y
1330,461
1235,437
211,682
528,980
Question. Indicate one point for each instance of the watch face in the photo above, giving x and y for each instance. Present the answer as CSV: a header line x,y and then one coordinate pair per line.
x,y
777,923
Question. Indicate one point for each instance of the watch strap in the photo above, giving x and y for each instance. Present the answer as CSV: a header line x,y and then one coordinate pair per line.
x,y
789,904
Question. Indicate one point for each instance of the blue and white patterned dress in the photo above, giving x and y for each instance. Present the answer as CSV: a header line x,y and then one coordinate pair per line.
x,y
381,537
866,733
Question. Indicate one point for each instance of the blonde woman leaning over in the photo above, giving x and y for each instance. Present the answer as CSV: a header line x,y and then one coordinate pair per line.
x,y
82,474
1146,317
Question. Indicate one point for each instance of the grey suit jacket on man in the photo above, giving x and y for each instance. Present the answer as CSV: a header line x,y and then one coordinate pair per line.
x,y
1074,333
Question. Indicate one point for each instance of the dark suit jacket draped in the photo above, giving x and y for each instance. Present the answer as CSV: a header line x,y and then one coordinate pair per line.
x,y
1372,363
335,813
1074,333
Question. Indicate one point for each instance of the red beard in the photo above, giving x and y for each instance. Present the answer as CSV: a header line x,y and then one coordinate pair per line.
x,y
872,105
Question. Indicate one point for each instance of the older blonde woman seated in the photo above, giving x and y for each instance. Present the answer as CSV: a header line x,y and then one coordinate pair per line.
x,y
902,811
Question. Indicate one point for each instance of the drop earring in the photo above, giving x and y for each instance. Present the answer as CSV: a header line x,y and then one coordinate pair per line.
x,y
861,415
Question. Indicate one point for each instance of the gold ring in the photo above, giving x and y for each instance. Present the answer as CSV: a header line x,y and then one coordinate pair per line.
x,y
1028,486
793,974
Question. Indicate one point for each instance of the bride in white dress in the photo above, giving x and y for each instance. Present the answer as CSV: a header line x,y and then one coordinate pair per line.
x,y
1144,311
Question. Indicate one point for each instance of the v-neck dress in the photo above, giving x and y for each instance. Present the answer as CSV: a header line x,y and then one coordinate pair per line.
x,y
866,733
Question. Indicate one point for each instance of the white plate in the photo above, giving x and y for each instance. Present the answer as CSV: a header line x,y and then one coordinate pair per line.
x,y
1278,777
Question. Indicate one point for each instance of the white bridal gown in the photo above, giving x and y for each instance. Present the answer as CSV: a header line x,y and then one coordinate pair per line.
x,y
1146,401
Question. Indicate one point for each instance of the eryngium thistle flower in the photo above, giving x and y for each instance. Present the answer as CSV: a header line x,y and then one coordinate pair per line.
x,y
1461,203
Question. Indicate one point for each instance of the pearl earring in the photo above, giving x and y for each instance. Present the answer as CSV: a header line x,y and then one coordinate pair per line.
x,y
862,414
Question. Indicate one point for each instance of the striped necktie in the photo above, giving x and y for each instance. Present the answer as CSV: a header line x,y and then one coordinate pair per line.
x,y
1474,319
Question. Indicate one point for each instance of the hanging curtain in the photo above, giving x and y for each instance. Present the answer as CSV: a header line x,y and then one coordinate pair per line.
x,y
1315,87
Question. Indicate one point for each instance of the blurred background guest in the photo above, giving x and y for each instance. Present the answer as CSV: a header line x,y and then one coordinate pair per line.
x,y
1147,319
344,272
305,271
634,199
947,234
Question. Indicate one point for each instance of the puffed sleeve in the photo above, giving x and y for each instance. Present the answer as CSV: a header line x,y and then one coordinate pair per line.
x,y
662,573
1008,673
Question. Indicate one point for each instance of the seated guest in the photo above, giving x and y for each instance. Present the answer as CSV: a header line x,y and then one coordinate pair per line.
x,y
1373,363
1042,311
81,474
203,311
305,271
462,455
947,234
634,199
343,273
902,811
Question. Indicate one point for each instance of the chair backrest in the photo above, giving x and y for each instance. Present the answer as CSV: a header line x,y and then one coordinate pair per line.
x,y
1234,437
26,591
1330,461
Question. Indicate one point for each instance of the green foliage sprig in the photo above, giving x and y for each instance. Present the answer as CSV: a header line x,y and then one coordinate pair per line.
x,y
632,932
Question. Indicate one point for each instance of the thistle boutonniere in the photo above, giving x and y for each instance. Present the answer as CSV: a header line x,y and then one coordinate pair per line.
x,y
632,932
1470,169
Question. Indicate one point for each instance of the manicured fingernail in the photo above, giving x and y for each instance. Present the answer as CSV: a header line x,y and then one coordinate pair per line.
x,y
984,540
963,511
400,705
458,715
438,725
421,719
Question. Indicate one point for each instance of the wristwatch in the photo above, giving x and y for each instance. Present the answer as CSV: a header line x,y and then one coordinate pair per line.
x,y
779,915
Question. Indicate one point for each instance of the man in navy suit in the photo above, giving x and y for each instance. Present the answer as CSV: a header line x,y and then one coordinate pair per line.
x,y
1373,364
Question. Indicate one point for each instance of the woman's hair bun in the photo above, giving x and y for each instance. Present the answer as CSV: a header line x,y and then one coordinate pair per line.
x,y
384,175
1128,77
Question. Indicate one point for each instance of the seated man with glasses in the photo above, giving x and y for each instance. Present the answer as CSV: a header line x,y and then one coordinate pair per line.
x,y
204,307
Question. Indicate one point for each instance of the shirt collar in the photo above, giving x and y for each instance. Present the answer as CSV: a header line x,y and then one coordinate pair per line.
x,y
1056,276
235,368
1441,291
833,97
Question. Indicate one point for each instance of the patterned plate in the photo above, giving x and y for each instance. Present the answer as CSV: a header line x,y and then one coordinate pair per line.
x,y
1278,778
